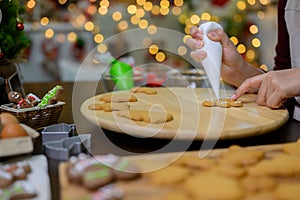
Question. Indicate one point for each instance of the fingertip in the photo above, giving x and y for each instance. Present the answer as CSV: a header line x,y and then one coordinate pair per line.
x,y
234,96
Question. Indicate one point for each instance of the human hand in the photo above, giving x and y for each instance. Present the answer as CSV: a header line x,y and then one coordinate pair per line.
x,y
273,88
232,61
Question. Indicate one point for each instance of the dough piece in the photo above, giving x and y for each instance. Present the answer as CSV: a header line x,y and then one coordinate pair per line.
x,y
118,97
22,190
154,117
95,106
292,148
280,165
196,162
223,103
169,175
208,103
213,186
239,156
109,107
288,191
230,171
146,90
253,184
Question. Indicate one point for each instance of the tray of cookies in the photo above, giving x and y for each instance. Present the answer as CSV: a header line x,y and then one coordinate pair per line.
x,y
181,113
259,172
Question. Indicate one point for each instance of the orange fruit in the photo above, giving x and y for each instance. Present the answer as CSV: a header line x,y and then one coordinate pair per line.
x,y
12,130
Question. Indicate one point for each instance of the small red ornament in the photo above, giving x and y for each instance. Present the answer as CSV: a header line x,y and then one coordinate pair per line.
x,y
20,26
1,55
220,3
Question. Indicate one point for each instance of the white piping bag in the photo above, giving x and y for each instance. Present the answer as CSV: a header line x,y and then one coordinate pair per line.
x,y
213,61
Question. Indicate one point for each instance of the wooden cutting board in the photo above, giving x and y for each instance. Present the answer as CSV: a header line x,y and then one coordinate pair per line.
x,y
191,119
143,188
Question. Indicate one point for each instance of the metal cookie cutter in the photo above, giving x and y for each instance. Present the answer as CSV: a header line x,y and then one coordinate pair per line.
x,y
63,149
57,132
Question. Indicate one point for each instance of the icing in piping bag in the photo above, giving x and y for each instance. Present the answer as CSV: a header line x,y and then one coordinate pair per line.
x,y
213,61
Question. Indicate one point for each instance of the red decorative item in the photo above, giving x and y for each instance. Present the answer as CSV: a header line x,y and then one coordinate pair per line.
x,y
220,3
1,55
20,26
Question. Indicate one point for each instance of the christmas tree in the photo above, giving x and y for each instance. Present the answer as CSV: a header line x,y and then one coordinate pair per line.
x,y
13,39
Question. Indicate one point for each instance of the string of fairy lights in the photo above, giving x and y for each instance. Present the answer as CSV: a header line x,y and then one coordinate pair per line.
x,y
139,12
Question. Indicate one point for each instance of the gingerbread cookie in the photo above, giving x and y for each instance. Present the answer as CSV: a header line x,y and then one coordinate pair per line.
x,y
253,184
239,156
154,117
292,148
195,162
223,103
124,170
212,186
170,175
5,179
118,97
145,90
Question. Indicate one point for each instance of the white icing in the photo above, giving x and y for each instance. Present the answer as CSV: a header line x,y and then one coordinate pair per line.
x,y
213,61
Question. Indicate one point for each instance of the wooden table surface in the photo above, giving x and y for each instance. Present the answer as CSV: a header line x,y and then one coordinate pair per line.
x,y
105,141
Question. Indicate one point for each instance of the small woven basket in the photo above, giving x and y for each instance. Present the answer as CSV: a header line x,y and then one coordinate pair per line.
x,y
36,117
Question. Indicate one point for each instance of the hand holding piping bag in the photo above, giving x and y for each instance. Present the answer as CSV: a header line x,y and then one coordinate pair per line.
x,y
213,61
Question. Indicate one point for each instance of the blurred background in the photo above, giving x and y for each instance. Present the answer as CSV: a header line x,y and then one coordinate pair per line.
x,y
63,32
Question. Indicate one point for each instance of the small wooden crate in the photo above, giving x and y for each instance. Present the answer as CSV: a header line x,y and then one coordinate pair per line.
x,y
36,117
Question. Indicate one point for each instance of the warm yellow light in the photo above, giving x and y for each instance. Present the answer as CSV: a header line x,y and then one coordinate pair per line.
x,y
92,9
131,9
186,37
250,55
164,11
187,29
164,4
155,10
264,67
147,41
49,33
72,7
140,2
264,2
261,15
153,49
104,3
206,16
234,40
160,57
152,29
178,2
256,42
134,20
102,10
176,11
148,6
89,26
251,2
123,25
188,22
117,16
253,29
237,17
143,23
102,48
182,18
31,4
195,19
98,38
45,21
72,36
241,48
241,5
140,12
182,50
62,2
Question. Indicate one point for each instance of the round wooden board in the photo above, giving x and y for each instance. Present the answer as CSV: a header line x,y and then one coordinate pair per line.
x,y
190,119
